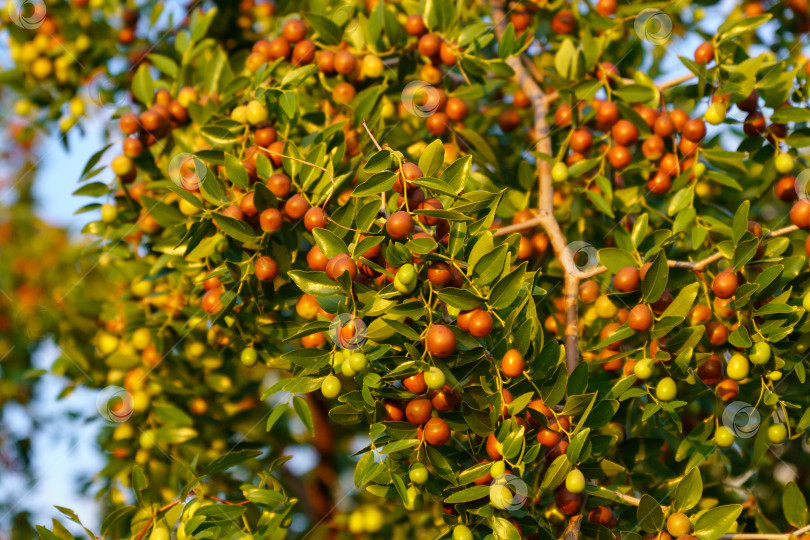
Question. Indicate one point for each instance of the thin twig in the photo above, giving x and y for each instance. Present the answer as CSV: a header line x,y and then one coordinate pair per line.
x,y
595,271
152,517
374,140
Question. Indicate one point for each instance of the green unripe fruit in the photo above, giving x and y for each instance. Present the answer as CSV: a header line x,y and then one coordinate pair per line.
x,y
777,433
109,213
406,274
418,474
347,370
737,367
716,113
403,288
337,357
147,439
462,532
497,469
500,496
106,343
784,163
373,519
605,308
698,169
666,389
330,387
256,113
575,481
559,172
141,338
723,437
643,369
775,375
412,499
249,356
159,533
356,522
434,378
760,353
358,362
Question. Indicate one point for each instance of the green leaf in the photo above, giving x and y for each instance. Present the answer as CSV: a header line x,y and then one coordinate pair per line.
x,y
683,302
716,522
636,93
506,290
315,283
555,474
328,31
93,189
689,490
655,280
304,413
790,114
468,494
565,61
142,87
457,174
491,265
740,223
639,230
235,228
236,171
733,28
649,514
432,158
615,259
329,242
275,415
377,183
378,162
459,298
165,64
794,505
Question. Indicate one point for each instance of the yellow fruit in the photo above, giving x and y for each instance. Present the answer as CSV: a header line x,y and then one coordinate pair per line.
x,y
239,114
23,107
106,343
188,209
605,308
77,107
41,68
256,113
372,66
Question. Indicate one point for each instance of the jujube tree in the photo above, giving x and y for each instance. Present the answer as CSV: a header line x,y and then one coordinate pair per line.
x,y
507,270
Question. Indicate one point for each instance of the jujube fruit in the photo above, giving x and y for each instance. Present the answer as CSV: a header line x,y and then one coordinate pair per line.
x,y
265,268
512,363
440,341
418,411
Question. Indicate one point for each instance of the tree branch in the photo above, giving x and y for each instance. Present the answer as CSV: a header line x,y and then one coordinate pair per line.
x,y
545,217
595,271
